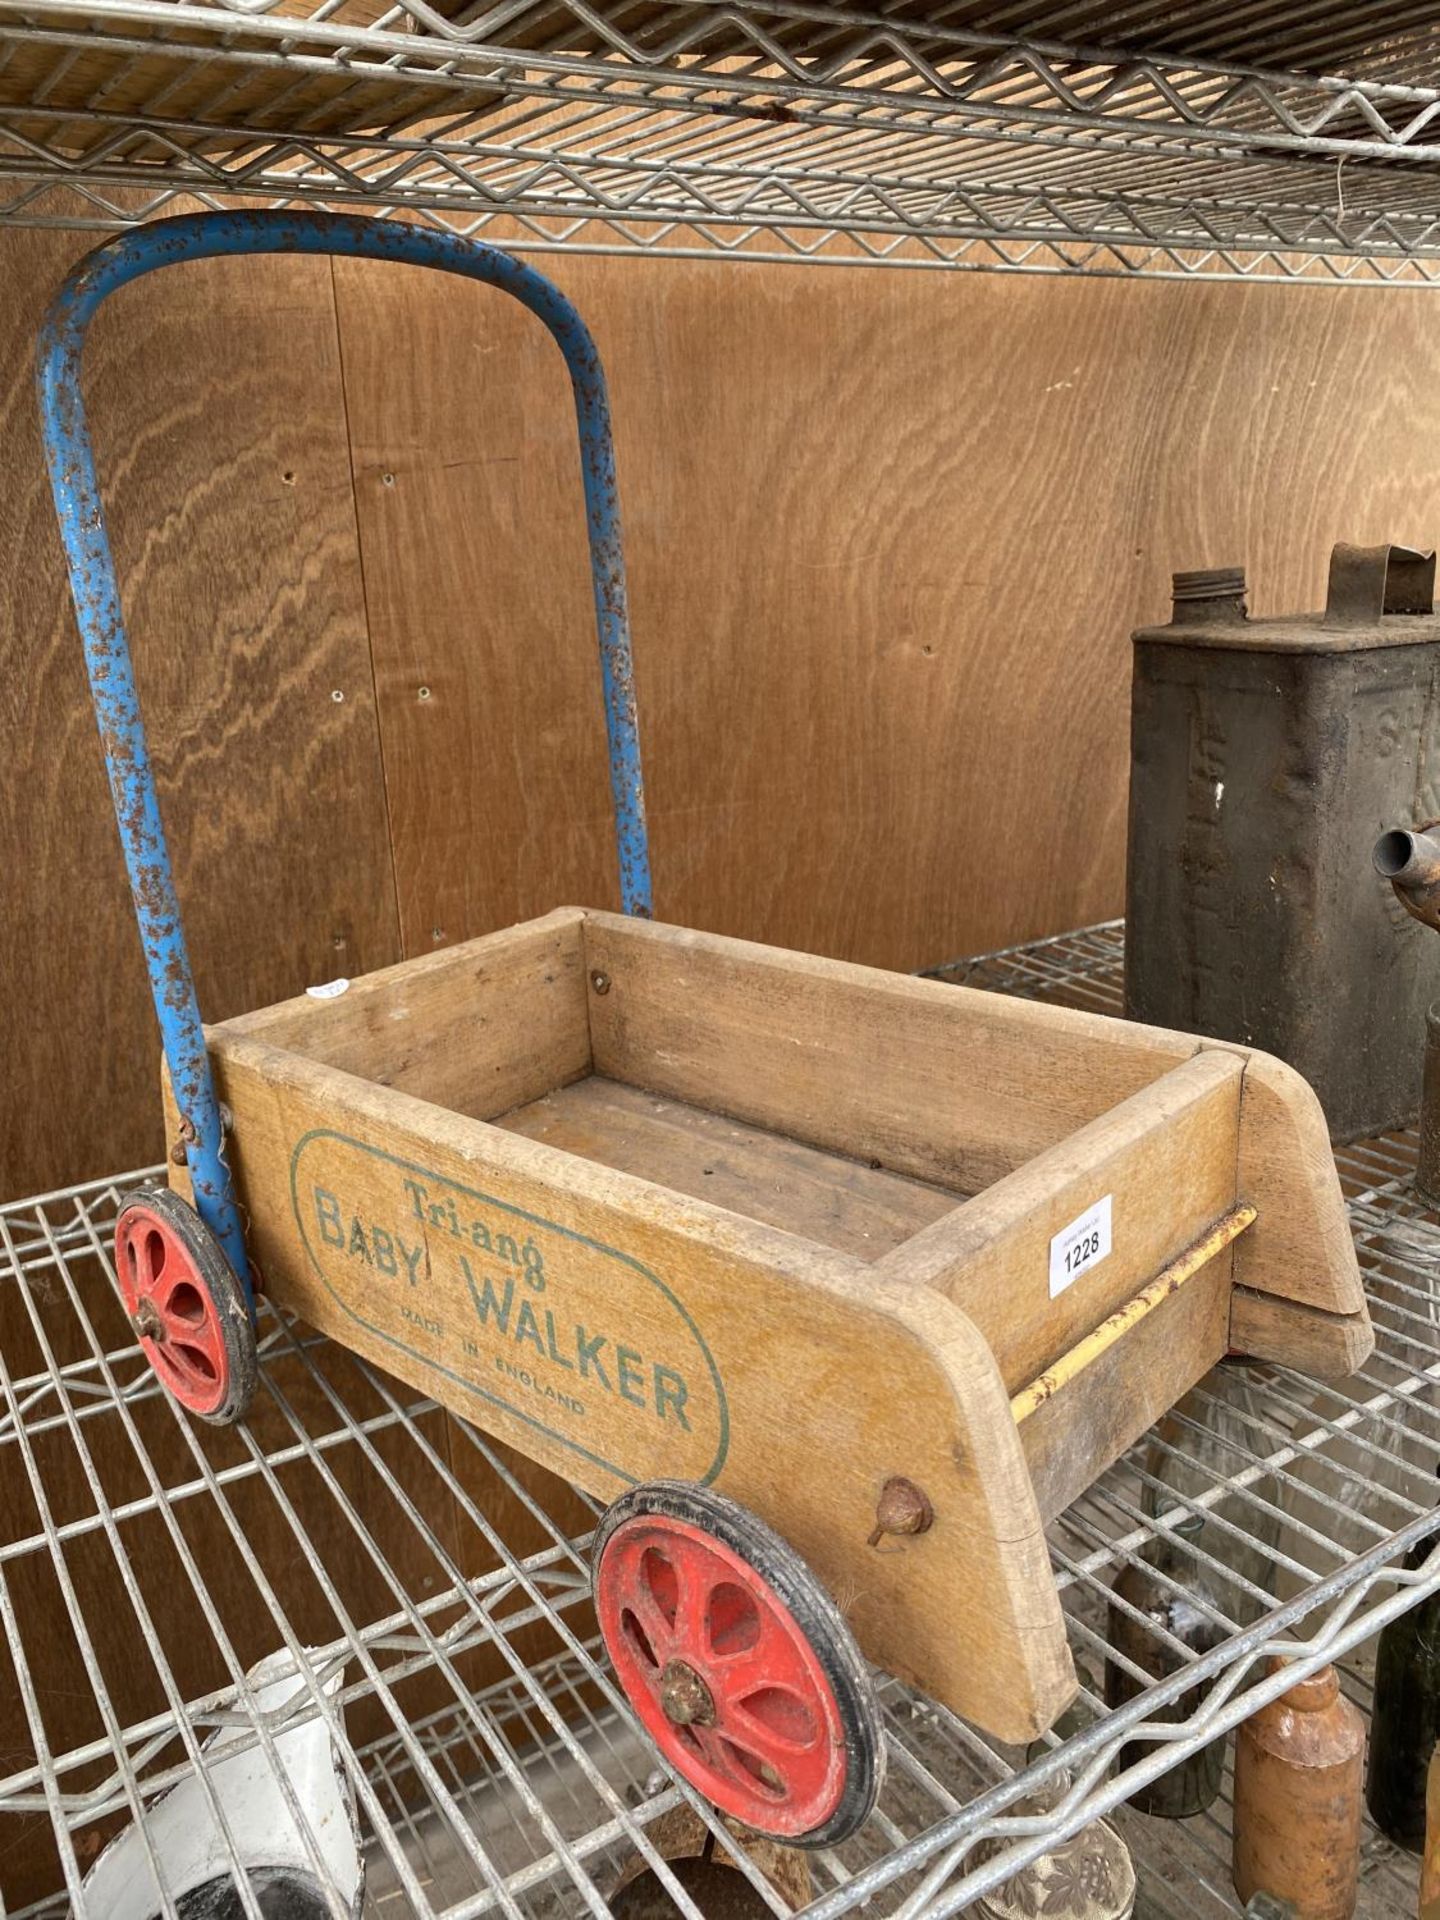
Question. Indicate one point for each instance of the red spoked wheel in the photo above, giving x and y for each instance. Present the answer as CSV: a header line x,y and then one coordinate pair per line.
x,y
738,1663
186,1305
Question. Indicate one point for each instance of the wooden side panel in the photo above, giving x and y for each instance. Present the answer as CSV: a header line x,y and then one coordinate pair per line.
x,y
1162,1164
944,1083
476,1028
616,1332
947,1084
215,403
1090,1421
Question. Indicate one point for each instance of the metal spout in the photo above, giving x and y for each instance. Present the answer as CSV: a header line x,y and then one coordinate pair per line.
x,y
1410,860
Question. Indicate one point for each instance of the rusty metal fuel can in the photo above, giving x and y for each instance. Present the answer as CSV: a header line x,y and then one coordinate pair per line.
x,y
1266,756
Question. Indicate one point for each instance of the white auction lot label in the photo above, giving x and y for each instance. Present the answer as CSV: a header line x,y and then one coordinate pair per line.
x,y
1080,1246
331,990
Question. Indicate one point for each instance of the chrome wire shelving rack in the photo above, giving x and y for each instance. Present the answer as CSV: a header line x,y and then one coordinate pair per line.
x,y
427,1595
1217,139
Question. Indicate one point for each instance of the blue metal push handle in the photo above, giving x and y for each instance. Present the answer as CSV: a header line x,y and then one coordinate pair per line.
x,y
102,628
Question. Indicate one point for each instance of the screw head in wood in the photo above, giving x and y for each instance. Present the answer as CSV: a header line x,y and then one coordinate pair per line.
x,y
902,1508
600,982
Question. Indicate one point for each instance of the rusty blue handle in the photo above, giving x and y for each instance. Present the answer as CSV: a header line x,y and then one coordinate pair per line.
x,y
102,627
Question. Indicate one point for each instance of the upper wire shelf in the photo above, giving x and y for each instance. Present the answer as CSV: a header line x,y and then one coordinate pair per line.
x,y
1219,139
428,1596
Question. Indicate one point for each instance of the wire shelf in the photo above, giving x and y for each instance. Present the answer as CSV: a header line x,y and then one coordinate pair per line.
x,y
1207,140
428,1592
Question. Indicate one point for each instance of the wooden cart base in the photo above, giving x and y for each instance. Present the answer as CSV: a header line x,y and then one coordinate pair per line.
x,y
648,1203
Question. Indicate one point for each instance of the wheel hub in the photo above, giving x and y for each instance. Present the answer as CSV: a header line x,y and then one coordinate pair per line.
x,y
686,1699
147,1321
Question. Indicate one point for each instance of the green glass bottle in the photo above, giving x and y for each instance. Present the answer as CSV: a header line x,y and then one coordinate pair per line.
x,y
1405,1722
1200,1580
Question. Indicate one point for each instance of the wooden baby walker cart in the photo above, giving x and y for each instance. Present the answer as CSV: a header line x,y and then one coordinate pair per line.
x,y
837,1284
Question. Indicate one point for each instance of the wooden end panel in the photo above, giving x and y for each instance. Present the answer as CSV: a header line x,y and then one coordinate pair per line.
x,y
944,1083
1162,1164
1072,1437
615,1332
476,1028
1327,1346
1301,1247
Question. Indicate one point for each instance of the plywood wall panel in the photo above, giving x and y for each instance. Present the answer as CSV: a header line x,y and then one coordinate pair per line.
x,y
1283,420
468,494
888,536
217,413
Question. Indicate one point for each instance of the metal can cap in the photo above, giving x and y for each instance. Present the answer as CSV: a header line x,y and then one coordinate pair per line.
x,y
1209,583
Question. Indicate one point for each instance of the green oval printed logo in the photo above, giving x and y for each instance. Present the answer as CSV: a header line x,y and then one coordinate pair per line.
x,y
570,1337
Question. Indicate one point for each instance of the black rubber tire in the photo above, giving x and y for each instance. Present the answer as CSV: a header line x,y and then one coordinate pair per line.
x,y
224,1293
813,1611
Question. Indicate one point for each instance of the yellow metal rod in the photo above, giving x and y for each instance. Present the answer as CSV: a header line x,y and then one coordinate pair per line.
x,y
1169,1280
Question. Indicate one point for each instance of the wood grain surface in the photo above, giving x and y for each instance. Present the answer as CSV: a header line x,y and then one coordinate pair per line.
x,y
549,1280
215,405
399,1025
888,536
946,1084
850,1205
